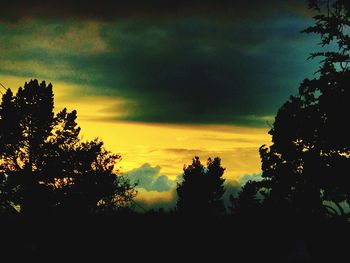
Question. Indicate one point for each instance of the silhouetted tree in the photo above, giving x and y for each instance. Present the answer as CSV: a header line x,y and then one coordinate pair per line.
x,y
332,24
201,191
247,203
310,153
45,167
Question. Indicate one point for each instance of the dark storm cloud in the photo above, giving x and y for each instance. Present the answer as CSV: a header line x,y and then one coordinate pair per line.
x,y
193,69
111,9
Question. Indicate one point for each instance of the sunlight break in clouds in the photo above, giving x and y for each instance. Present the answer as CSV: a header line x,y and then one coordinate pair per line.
x,y
166,147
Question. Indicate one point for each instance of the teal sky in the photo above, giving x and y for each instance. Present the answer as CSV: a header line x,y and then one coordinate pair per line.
x,y
211,63
162,81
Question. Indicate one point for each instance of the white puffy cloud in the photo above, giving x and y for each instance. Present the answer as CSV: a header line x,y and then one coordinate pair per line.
x,y
150,179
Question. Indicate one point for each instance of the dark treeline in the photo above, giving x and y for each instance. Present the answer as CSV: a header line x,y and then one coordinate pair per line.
x,y
62,197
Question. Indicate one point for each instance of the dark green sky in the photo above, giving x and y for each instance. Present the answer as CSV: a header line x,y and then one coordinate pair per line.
x,y
227,62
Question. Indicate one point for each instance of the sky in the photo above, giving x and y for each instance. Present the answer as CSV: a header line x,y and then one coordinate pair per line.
x,y
163,81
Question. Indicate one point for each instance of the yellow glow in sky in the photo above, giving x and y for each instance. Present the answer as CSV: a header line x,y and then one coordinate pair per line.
x,y
172,146
168,145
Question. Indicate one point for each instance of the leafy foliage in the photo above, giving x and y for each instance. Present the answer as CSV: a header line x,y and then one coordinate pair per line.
x,y
45,167
310,153
332,23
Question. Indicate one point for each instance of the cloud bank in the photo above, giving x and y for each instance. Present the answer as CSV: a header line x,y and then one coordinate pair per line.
x,y
150,179
182,70
158,191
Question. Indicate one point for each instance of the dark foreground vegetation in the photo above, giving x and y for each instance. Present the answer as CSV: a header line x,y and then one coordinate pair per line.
x,y
61,198
170,237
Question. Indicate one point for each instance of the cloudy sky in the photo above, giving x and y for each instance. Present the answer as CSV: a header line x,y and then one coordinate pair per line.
x,y
162,81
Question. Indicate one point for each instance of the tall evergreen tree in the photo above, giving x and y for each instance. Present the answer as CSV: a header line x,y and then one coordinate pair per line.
x,y
200,193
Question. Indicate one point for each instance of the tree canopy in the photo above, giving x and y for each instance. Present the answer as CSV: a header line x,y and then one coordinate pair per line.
x,y
305,166
45,167
201,191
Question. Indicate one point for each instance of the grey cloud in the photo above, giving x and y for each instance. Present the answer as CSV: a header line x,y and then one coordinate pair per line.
x,y
231,188
162,183
250,177
187,72
190,70
234,187
149,178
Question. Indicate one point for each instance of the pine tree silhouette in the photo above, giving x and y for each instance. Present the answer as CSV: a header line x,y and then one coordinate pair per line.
x,y
201,191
